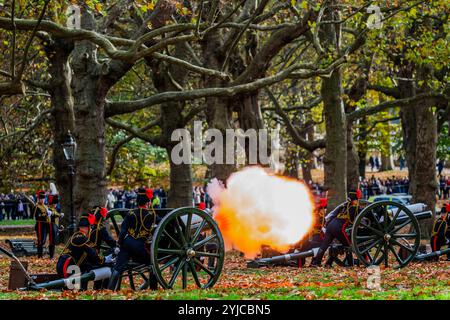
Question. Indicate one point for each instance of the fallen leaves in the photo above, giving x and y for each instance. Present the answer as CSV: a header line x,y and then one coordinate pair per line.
x,y
417,281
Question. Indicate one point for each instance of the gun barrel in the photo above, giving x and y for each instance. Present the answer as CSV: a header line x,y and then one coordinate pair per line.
x,y
425,256
419,210
93,275
282,258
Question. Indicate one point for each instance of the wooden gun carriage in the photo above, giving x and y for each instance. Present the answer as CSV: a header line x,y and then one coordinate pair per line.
x,y
186,247
383,232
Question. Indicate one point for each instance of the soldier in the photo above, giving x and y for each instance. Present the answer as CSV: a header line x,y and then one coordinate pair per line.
x,y
336,224
441,231
79,251
41,215
135,231
316,236
99,233
53,224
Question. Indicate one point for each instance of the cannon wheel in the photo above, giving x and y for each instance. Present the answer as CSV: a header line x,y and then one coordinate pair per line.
x,y
182,244
377,233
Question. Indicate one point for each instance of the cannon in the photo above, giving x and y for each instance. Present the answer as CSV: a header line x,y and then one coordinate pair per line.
x,y
186,247
381,230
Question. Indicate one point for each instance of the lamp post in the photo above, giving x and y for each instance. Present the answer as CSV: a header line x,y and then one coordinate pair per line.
x,y
69,147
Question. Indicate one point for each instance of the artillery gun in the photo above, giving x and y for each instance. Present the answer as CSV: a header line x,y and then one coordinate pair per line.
x,y
186,247
381,230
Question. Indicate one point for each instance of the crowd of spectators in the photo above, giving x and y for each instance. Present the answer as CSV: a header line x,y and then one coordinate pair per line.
x,y
126,199
14,206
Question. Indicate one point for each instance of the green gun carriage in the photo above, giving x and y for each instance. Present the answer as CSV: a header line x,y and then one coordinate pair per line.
x,y
384,232
186,248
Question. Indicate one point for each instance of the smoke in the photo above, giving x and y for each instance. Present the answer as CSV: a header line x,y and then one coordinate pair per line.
x,y
257,208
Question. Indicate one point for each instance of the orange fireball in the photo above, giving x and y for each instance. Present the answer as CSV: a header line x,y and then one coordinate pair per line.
x,y
257,208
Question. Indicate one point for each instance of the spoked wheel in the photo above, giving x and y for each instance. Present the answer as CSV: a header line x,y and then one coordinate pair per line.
x,y
386,229
187,246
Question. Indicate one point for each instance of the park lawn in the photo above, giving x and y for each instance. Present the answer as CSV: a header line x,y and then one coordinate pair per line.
x,y
26,222
417,281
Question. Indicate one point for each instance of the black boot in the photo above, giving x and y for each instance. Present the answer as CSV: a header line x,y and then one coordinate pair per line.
x,y
40,250
113,281
317,260
51,251
153,282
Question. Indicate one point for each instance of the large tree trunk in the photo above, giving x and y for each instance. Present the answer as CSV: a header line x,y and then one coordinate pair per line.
x,y
335,158
419,139
352,160
89,102
63,119
386,160
218,110
180,194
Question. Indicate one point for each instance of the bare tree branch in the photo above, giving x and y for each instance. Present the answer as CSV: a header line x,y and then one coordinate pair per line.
x,y
406,102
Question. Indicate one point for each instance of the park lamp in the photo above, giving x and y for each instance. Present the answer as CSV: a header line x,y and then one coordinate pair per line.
x,y
69,147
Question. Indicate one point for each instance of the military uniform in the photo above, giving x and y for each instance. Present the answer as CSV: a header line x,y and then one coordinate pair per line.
x,y
316,236
99,232
440,235
340,220
53,224
79,251
136,229
41,215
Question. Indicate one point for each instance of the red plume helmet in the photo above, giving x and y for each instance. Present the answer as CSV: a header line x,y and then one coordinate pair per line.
x,y
323,202
202,206
40,194
91,218
103,212
149,193
358,194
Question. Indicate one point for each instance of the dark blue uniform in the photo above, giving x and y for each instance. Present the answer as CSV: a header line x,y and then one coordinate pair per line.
x,y
41,227
100,234
135,231
79,251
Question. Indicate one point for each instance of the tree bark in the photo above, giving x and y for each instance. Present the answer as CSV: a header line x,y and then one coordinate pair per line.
x,y
335,158
180,194
218,110
419,138
89,101
63,119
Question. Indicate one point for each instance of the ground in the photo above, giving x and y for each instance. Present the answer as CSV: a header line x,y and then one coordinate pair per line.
x,y
416,281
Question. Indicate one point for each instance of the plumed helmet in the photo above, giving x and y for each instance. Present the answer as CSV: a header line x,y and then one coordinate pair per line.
x,y
144,196
202,206
323,203
40,194
354,194
99,213
85,220
53,199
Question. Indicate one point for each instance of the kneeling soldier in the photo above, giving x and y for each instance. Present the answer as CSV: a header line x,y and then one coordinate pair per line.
x,y
441,231
136,229
335,229
79,252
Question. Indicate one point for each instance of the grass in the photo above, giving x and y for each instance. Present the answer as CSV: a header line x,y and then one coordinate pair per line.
x,y
17,222
416,281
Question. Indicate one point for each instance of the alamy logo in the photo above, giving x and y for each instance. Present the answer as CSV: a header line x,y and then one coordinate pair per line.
x,y
73,282
375,20
73,14
374,278
234,146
